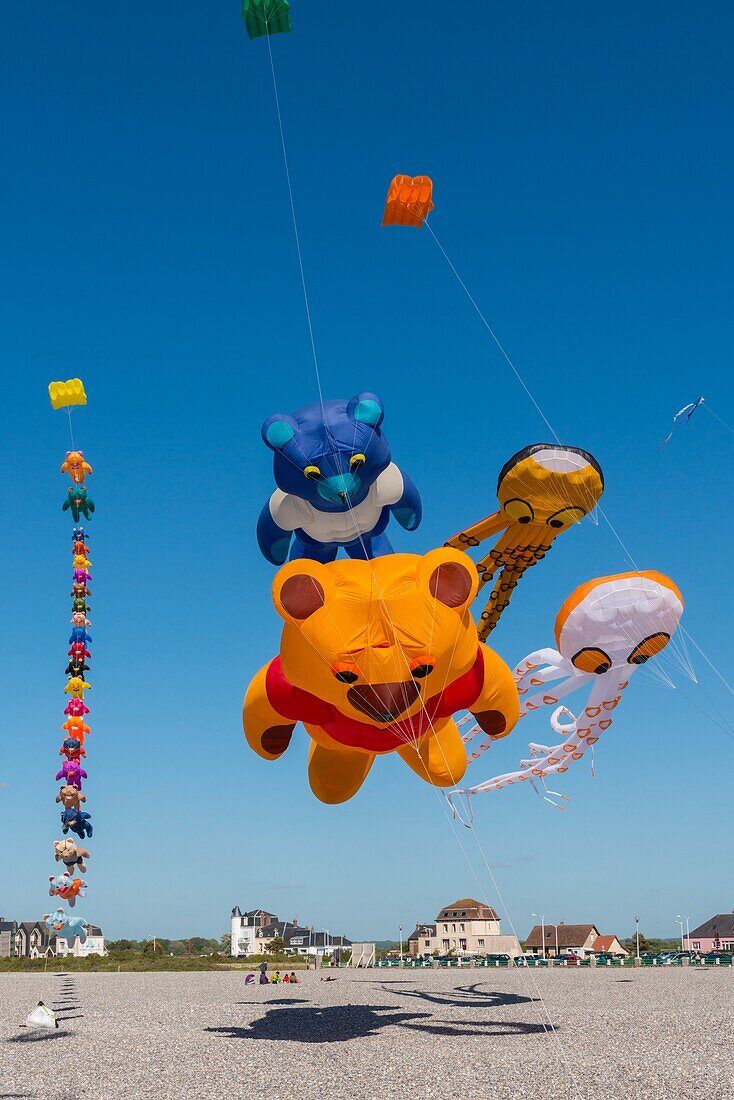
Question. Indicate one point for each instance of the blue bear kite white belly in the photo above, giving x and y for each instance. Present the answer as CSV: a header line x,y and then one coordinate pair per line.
x,y
291,513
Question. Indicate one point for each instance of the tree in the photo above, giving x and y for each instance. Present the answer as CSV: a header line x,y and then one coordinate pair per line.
x,y
225,944
276,946
152,947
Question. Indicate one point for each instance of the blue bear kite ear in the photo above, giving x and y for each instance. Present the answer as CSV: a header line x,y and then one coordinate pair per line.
x,y
366,408
278,430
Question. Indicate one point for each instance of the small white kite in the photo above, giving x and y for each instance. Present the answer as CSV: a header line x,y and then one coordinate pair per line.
x,y
681,417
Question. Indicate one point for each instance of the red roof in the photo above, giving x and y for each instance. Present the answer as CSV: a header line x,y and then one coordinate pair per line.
x,y
604,944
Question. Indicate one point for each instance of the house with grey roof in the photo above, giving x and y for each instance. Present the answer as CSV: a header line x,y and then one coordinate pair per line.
x,y
32,940
252,933
715,934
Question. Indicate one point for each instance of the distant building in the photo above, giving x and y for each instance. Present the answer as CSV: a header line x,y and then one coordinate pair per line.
x,y
419,940
8,928
93,945
715,934
253,932
466,927
32,940
243,927
578,939
608,945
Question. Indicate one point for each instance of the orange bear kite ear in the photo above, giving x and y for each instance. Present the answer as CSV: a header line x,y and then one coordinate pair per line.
x,y
301,588
450,577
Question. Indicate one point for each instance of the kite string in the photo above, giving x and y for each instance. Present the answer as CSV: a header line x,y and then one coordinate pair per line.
x,y
295,225
492,333
716,415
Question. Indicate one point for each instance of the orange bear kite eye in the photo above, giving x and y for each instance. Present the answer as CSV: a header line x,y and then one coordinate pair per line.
x,y
648,648
421,667
591,660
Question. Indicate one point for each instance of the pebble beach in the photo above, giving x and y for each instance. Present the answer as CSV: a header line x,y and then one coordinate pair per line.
x,y
596,1035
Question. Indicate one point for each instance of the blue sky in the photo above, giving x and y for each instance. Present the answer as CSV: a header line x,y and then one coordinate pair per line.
x,y
582,169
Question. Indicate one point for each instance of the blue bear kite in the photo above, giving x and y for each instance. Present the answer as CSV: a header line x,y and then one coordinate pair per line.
x,y
78,821
65,927
336,483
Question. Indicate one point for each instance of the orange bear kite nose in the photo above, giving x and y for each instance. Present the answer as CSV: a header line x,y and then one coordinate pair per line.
x,y
383,702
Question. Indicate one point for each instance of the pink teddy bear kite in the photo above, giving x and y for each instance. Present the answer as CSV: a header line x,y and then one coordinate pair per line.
x,y
76,708
80,619
72,772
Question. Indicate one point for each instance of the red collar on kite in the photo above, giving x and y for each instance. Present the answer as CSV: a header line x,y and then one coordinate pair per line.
x,y
301,706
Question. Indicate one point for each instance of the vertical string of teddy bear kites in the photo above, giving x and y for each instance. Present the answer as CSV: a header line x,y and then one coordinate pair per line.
x,y
67,885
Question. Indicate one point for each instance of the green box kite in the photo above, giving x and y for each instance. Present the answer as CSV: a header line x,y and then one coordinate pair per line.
x,y
266,17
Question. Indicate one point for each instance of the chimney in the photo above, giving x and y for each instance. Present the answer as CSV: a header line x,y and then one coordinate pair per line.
x,y
294,922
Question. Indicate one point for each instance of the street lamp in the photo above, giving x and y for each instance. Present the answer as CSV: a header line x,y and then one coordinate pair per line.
x,y
637,935
542,929
401,944
679,920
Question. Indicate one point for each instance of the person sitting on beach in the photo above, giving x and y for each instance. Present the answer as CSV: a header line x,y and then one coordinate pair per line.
x,y
286,978
276,977
293,979
250,979
264,978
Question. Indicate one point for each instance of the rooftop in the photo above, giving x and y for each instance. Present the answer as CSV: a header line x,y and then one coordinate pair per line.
x,y
716,927
469,908
569,935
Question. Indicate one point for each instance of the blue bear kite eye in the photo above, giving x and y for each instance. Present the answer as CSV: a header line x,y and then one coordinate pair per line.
x,y
279,433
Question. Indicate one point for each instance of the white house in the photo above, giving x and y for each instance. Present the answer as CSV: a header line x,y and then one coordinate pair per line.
x,y
252,932
93,945
244,928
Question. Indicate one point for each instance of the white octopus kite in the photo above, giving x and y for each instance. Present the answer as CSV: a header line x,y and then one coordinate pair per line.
x,y
604,631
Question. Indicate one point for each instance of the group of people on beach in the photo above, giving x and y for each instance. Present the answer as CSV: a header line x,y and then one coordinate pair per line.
x,y
274,980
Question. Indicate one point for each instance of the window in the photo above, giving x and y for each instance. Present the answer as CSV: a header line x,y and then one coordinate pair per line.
x,y
453,927
696,945
480,943
462,944
461,928
445,944
445,927
427,943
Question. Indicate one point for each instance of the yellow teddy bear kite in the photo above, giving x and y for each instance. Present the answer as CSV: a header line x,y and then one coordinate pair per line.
x,y
375,657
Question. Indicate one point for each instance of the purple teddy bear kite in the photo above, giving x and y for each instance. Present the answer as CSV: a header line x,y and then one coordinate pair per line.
x,y
80,576
73,773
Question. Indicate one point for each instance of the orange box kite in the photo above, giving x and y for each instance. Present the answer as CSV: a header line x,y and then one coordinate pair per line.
x,y
409,201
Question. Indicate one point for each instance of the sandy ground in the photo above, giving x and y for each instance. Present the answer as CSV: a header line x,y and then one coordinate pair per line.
x,y
647,1035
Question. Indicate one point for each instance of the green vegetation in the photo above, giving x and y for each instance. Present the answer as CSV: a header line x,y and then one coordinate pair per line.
x,y
141,961
196,945
650,946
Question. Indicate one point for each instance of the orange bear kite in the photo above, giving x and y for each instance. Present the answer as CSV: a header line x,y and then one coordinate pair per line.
x,y
375,657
